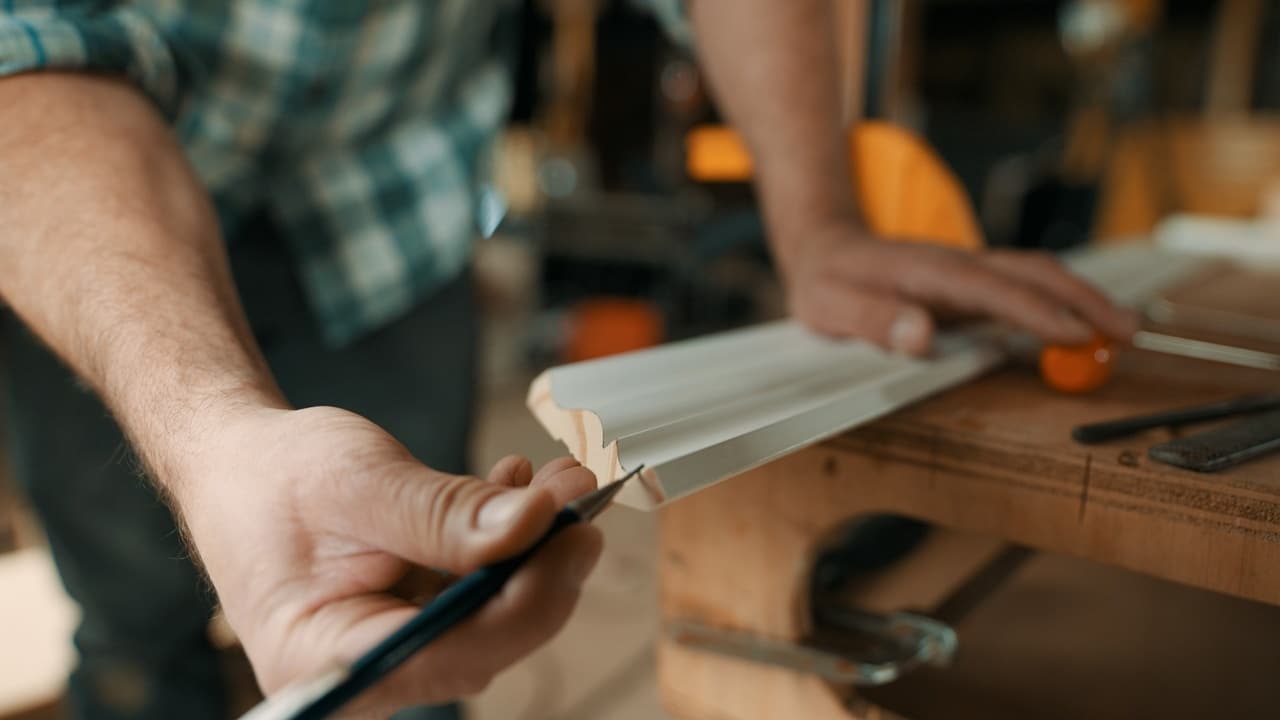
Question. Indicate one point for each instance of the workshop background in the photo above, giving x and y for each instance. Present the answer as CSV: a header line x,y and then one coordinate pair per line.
x,y
1067,122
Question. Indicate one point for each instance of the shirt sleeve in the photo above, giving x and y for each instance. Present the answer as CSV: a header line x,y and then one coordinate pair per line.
x,y
92,36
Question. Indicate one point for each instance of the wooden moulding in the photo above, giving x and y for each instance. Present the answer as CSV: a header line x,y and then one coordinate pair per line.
x,y
707,409
699,411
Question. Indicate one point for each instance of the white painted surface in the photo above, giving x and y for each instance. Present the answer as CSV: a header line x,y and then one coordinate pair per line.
x,y
700,411
1252,241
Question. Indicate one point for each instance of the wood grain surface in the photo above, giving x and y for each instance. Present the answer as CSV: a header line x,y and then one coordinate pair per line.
x,y
993,457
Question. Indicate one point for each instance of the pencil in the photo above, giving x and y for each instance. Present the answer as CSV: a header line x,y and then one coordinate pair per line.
x,y
319,697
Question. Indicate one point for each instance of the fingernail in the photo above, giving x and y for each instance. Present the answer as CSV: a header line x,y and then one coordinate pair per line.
x,y
909,332
499,510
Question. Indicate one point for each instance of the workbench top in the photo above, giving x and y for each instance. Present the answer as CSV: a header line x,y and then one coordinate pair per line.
x,y
996,455
992,460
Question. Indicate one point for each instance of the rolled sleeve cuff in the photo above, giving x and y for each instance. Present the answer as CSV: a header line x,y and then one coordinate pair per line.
x,y
117,40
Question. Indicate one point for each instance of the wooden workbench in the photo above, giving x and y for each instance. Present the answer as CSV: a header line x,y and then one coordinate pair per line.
x,y
993,457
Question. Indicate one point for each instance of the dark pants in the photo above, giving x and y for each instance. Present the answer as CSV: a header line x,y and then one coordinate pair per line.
x,y
143,647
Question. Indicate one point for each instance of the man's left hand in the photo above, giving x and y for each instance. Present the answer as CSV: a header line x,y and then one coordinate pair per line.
x,y
843,281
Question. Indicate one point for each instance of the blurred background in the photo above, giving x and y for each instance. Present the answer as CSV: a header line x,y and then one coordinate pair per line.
x,y
1067,122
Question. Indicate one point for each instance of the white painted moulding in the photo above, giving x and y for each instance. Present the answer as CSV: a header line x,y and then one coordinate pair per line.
x,y
700,411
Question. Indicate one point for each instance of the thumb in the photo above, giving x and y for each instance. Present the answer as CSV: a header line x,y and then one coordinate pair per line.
x,y
844,310
455,523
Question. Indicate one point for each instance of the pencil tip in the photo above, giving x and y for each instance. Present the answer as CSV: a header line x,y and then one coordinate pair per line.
x,y
592,504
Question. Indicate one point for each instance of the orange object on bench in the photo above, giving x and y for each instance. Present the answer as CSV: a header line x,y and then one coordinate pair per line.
x,y
1078,369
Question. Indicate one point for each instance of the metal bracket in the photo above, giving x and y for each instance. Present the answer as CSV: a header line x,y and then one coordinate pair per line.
x,y
871,649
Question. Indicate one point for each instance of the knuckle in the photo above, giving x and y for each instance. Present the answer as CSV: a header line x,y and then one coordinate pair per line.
x,y
958,276
1030,299
932,269
446,498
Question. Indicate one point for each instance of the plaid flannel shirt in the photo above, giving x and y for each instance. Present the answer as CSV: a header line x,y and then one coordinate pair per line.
x,y
358,125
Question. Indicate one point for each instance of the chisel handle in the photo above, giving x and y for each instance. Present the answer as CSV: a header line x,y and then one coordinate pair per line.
x,y
1115,429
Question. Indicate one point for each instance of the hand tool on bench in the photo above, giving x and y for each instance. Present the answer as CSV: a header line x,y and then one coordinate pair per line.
x,y
1216,449
1125,427
319,697
1223,447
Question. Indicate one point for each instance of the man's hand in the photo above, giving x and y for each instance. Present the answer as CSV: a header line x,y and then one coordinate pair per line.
x,y
844,282
323,535
772,66
315,525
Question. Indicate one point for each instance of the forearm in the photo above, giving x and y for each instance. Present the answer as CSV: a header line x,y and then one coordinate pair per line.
x,y
110,252
773,70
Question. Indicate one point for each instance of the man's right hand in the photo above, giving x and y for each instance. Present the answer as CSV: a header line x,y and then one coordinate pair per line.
x,y
315,525
323,535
